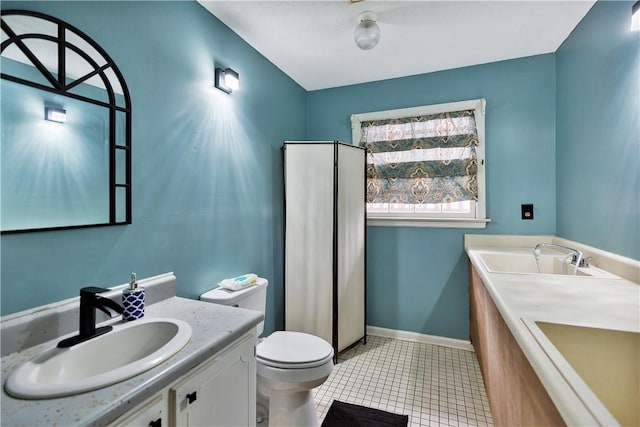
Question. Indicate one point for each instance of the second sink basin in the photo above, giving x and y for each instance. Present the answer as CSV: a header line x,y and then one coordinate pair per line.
x,y
522,261
525,263
128,350
607,360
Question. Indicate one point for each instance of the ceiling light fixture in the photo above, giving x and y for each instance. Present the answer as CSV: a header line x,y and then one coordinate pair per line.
x,y
367,32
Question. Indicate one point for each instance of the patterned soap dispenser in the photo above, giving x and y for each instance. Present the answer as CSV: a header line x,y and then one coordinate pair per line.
x,y
133,300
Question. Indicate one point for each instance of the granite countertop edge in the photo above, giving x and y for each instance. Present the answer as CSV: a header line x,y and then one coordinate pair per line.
x,y
214,327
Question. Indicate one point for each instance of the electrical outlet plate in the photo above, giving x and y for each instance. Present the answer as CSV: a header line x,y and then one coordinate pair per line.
x,y
527,211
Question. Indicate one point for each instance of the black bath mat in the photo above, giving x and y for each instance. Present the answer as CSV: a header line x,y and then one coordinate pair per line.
x,y
348,415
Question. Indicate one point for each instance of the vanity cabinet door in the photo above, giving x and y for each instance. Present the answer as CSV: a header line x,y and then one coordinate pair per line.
x,y
152,413
221,393
515,393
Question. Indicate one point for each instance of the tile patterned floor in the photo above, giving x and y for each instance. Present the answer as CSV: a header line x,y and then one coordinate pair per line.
x,y
433,385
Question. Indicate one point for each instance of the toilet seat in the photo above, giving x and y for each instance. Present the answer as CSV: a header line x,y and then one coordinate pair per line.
x,y
293,350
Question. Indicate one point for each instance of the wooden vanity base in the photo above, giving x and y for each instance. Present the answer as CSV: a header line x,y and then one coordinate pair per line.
x,y
516,395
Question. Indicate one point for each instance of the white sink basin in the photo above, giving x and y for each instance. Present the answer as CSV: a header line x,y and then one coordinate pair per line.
x,y
522,261
525,263
128,350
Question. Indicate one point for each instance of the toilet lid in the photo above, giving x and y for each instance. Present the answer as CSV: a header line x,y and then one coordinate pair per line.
x,y
293,348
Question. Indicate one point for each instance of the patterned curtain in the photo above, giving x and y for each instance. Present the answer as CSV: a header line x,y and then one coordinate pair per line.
x,y
422,159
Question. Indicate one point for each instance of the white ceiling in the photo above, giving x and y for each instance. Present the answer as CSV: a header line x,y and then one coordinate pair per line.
x,y
312,41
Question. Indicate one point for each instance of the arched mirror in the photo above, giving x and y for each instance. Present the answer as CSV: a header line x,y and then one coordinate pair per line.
x,y
65,128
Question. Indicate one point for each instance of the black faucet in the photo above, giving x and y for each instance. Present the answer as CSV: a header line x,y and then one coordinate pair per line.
x,y
89,302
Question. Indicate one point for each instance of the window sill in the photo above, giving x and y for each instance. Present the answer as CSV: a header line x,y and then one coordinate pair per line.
x,y
427,223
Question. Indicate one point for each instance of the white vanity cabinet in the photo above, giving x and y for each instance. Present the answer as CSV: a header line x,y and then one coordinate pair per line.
x,y
152,413
221,391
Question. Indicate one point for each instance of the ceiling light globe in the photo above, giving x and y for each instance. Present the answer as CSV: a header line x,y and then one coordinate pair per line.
x,y
367,34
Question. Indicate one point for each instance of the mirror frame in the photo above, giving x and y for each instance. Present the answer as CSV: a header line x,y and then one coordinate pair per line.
x,y
60,85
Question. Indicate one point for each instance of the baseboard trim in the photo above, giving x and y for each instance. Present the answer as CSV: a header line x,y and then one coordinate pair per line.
x,y
421,338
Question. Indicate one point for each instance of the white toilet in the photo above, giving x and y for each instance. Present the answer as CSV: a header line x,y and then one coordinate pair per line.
x,y
289,364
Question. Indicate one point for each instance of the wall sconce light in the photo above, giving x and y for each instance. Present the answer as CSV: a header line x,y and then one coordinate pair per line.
x,y
55,114
227,80
635,16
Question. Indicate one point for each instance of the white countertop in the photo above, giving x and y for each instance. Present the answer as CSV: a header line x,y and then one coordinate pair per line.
x,y
593,302
213,328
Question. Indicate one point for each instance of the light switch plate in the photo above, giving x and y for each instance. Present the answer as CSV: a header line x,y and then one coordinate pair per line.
x,y
527,211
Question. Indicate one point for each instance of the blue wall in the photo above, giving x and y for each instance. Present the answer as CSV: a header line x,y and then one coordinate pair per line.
x,y
598,132
417,277
207,166
207,173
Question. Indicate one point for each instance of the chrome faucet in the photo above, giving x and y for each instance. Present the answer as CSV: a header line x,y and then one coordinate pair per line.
x,y
89,302
576,259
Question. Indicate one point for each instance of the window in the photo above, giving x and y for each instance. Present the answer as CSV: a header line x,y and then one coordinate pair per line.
x,y
425,165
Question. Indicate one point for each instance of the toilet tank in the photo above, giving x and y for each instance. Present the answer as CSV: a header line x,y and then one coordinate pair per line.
x,y
253,297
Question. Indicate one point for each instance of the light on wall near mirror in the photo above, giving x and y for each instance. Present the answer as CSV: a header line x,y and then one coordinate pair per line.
x,y
227,80
55,114
635,16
